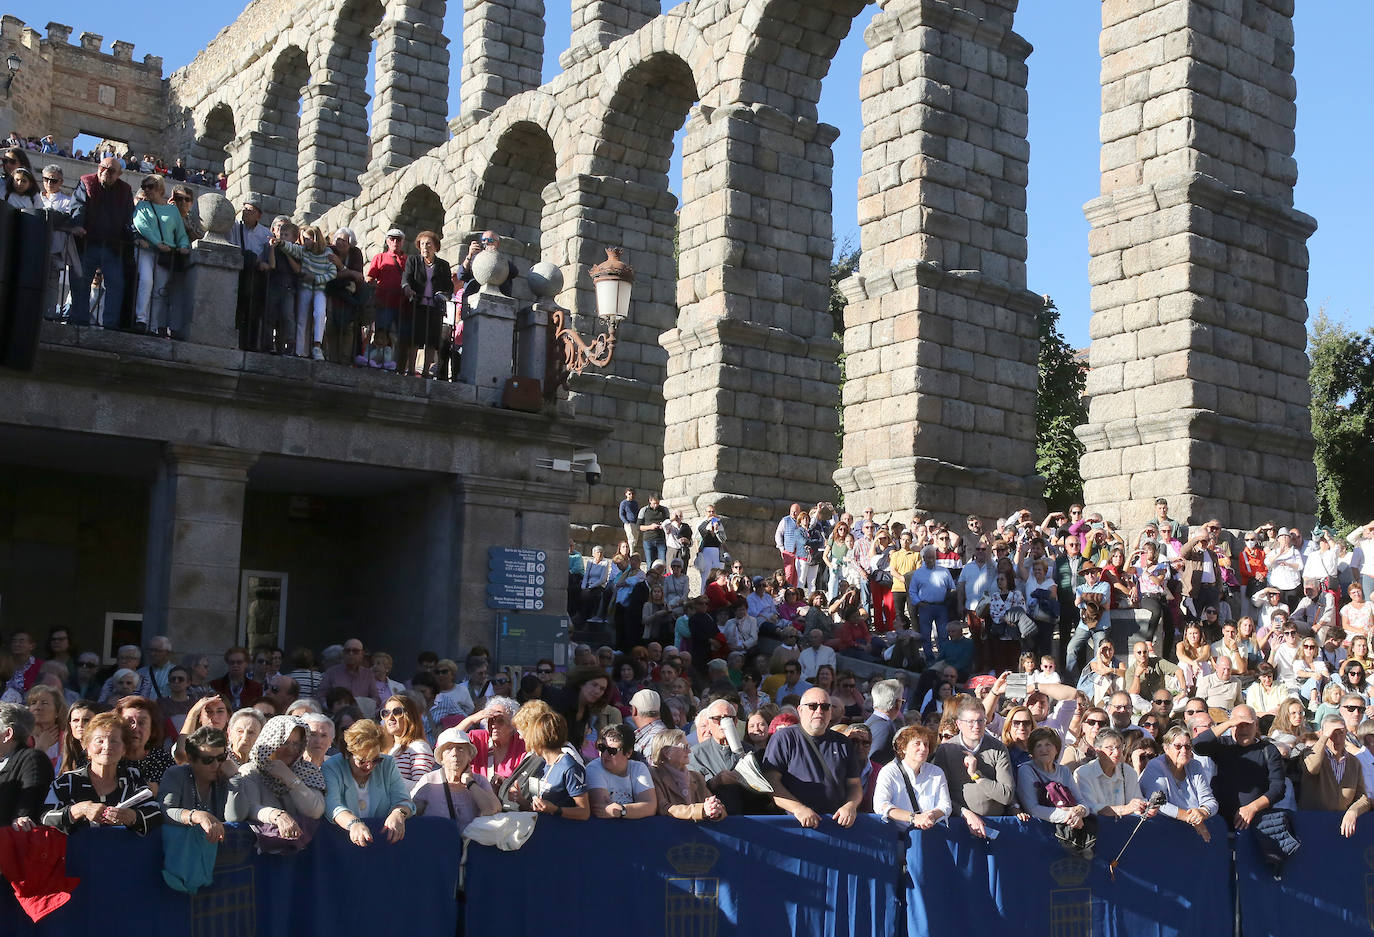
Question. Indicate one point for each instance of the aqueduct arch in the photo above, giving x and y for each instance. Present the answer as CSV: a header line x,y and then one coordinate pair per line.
x,y
724,387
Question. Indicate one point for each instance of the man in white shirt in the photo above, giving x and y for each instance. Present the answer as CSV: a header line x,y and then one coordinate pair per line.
x,y
815,655
977,580
1285,569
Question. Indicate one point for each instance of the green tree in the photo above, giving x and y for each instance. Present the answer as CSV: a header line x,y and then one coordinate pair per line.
x,y
1059,407
1342,381
845,263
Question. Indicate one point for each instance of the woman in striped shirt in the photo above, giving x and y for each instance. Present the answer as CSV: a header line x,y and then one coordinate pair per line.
x,y
405,732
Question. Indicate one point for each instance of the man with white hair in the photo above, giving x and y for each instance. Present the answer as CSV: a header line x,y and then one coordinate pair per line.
x,y
127,658
928,589
882,725
815,654
159,664
713,758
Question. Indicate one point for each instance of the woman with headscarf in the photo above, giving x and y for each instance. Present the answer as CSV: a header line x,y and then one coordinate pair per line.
x,y
278,788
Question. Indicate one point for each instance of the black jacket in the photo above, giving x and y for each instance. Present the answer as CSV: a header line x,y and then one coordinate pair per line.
x,y
24,781
414,276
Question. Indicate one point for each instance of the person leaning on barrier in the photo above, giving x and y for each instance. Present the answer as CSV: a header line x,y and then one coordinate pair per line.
x,y
90,795
363,783
978,771
1249,782
25,773
813,769
278,787
1333,778
619,786
454,789
197,793
909,788
681,792
561,786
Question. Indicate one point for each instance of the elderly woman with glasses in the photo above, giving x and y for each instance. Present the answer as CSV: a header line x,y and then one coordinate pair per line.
x,y
362,784
681,792
1185,782
453,788
197,793
619,787
278,787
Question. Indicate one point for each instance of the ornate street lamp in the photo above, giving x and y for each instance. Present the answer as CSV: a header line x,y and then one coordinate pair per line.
x,y
613,279
13,62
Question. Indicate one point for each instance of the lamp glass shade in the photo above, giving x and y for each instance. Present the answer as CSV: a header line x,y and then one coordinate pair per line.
x,y
13,62
612,299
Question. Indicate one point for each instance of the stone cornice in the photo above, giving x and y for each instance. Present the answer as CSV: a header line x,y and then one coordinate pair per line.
x,y
901,17
1206,192
1203,425
972,284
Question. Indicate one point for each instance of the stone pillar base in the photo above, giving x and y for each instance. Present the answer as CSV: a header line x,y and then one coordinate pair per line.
x,y
930,486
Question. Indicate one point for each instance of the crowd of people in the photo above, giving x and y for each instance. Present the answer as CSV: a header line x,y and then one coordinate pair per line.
x,y
119,259
149,163
711,717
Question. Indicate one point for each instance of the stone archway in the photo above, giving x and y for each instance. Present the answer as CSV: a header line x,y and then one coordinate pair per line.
x,y
274,168
422,210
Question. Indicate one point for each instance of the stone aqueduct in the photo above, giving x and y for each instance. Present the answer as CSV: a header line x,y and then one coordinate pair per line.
x,y
724,386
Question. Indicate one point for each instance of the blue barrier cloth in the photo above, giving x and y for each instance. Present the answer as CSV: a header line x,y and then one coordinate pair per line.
x,y
333,887
1023,882
751,876
1327,888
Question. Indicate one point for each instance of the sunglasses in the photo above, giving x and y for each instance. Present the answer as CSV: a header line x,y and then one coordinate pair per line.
x,y
1180,746
1163,702
1022,722
1095,722
1352,709
396,711
1194,712
212,759
488,240
544,670
500,679
606,750
814,707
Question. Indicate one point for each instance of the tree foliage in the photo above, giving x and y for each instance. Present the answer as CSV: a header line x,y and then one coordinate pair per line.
x,y
1059,407
1342,381
845,263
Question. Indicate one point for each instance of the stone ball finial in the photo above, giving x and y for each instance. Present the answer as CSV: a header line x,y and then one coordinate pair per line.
x,y
217,214
545,279
491,269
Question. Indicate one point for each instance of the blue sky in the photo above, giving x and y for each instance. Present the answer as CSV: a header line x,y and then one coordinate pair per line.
x,y
1334,139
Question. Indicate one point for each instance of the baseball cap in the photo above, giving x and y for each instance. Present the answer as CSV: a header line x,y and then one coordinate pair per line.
x,y
646,703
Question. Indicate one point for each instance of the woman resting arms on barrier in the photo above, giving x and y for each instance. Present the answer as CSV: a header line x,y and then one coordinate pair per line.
x,y
197,793
453,789
1184,782
277,787
91,795
562,788
681,791
363,783
911,775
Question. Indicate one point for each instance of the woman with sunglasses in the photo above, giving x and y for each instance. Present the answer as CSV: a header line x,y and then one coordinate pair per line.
x,y
404,729
197,793
1016,729
1354,678
1184,782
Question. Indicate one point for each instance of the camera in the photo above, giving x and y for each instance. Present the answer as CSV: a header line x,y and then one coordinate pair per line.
x,y
587,462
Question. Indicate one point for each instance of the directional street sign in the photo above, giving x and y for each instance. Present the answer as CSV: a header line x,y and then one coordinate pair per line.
x,y
516,578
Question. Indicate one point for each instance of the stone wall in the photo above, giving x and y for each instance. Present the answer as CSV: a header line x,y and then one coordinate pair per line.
x,y
1198,366
67,89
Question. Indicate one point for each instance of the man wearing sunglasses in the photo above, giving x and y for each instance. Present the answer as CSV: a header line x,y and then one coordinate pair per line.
x,y
814,770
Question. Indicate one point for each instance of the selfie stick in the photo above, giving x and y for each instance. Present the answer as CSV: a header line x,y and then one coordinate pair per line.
x,y
1157,799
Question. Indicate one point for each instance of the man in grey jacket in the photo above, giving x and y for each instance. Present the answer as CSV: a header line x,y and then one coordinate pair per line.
x,y
978,770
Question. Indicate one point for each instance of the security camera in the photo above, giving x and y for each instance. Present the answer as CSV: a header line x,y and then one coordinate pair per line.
x,y
587,462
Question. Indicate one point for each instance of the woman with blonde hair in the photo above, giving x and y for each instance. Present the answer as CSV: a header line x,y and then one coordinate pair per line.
x,y
361,783
681,791
404,729
1016,730
49,710
319,265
